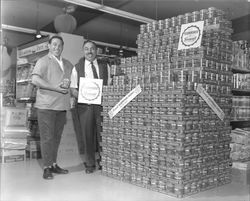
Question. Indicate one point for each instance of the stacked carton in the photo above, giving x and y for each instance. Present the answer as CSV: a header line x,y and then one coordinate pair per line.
x,y
168,138
240,145
13,134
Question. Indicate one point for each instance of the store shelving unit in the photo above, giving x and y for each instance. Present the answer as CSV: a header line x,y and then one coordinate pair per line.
x,y
8,93
27,55
240,68
240,118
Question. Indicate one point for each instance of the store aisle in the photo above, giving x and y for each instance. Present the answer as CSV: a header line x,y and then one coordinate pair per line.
x,y
22,181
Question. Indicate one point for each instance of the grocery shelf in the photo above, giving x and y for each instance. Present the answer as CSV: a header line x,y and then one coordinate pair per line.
x,y
8,95
241,92
24,65
26,99
240,70
32,119
240,123
23,81
106,55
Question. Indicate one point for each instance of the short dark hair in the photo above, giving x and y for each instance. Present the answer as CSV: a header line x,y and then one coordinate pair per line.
x,y
58,37
89,41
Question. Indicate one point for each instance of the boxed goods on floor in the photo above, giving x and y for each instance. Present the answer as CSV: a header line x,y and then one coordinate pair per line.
x,y
241,172
174,135
240,145
12,155
33,150
13,134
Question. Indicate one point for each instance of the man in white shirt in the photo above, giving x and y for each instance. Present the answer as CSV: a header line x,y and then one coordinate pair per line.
x,y
89,115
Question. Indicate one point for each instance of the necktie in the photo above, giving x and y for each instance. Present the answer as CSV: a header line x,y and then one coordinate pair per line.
x,y
94,71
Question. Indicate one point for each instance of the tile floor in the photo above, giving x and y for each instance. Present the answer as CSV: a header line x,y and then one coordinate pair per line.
x,y
22,181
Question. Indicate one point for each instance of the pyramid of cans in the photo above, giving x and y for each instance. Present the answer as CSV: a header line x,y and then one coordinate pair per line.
x,y
167,138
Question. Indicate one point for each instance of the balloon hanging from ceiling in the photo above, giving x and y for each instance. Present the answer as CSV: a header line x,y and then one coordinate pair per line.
x,y
66,22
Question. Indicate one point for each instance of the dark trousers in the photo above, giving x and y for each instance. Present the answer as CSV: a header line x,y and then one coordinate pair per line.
x,y
90,126
51,124
78,132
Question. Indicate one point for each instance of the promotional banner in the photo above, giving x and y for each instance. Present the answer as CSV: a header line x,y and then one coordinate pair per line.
x,y
210,101
124,101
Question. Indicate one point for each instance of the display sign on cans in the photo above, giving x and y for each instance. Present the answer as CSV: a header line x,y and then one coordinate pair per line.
x,y
191,35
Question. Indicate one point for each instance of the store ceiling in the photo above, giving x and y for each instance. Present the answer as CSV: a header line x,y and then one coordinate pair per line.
x,y
100,26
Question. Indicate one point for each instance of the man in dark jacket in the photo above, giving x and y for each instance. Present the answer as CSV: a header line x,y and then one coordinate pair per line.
x,y
89,115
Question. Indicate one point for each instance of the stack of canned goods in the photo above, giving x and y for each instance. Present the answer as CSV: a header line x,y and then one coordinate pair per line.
x,y
167,138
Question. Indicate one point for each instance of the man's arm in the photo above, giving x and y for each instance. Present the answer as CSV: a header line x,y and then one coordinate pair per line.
x,y
109,75
73,84
39,82
74,92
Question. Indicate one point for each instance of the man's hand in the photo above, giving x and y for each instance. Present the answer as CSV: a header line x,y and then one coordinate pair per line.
x,y
39,82
74,92
61,90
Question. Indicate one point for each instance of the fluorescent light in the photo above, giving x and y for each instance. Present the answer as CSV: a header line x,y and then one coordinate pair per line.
x,y
111,10
22,30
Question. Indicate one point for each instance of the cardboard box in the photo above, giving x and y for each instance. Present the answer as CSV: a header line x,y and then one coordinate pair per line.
x,y
13,143
241,172
12,155
31,154
33,145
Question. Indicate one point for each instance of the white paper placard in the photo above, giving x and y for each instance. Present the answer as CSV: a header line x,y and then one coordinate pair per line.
x,y
210,101
191,35
124,101
90,91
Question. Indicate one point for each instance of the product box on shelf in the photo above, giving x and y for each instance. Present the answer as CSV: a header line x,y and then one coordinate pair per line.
x,y
14,134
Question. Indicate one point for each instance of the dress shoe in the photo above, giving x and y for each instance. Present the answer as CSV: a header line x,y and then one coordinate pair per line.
x,y
58,170
47,174
99,167
89,170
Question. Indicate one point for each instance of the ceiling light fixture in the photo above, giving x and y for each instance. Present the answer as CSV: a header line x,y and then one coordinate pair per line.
x,y
110,10
38,34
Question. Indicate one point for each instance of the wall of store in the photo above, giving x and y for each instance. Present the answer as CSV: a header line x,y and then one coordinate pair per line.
x,y
241,27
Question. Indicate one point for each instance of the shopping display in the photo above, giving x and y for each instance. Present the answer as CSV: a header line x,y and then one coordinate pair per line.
x,y
27,55
168,138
